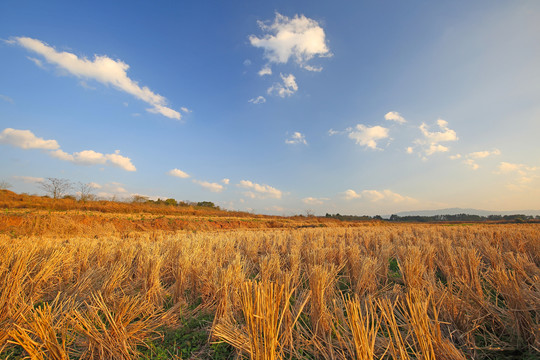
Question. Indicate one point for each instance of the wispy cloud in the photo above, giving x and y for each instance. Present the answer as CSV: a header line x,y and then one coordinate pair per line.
x,y
471,163
102,69
296,138
521,169
314,201
6,98
523,174
213,187
483,154
333,132
300,39
37,62
85,85
29,179
260,191
378,195
284,89
266,70
276,208
25,139
110,190
257,100
367,136
178,173
471,158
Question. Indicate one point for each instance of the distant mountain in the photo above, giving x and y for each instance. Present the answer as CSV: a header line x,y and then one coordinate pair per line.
x,y
455,211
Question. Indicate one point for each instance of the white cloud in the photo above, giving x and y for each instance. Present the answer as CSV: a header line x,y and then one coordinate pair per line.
x,y
102,69
225,181
333,132
372,195
313,68
368,136
409,150
439,136
377,196
471,163
62,155
110,190
165,111
296,138
6,98
25,139
178,173
214,187
434,148
257,100
186,110
524,174
91,157
260,191
505,167
265,71
479,154
470,159
314,201
483,154
395,116
288,87
521,169
351,194
29,179
115,187
430,143
94,185
120,161
397,198
300,39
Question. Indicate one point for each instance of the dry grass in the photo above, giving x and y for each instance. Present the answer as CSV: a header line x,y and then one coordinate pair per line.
x,y
369,292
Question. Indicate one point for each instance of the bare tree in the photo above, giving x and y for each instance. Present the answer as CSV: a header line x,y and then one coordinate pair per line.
x,y
55,187
4,185
139,199
86,191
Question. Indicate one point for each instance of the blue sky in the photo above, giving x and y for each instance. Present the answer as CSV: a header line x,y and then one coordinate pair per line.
x,y
276,107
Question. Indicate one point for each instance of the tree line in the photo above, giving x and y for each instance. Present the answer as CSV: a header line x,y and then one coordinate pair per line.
x,y
439,218
57,188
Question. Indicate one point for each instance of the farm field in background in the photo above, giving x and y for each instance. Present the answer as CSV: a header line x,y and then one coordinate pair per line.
x,y
26,215
93,284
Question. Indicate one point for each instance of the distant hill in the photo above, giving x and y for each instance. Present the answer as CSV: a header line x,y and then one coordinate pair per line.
x,y
455,211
